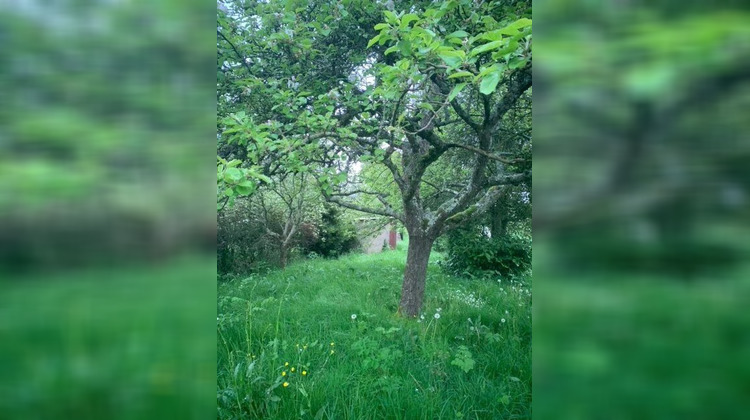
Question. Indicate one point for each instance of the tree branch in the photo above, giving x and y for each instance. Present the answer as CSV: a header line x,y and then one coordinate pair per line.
x,y
242,59
382,212
520,82
484,153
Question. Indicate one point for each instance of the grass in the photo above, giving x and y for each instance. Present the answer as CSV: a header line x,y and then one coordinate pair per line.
x,y
623,346
472,362
131,343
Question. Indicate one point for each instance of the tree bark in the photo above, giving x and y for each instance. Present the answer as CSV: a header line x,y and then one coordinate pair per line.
x,y
284,256
415,275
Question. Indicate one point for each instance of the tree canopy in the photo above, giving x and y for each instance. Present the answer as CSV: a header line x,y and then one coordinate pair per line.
x,y
419,90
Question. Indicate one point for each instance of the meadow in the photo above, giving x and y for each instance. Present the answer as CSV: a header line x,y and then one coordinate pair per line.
x,y
133,342
618,345
322,340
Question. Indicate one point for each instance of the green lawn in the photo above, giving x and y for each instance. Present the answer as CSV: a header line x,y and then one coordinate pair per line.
x,y
474,361
131,343
613,345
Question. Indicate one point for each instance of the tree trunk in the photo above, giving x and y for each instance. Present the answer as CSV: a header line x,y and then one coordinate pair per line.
x,y
284,256
415,275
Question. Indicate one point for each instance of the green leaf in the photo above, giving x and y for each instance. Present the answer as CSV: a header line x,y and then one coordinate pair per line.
x,y
489,82
373,41
455,91
391,17
516,62
453,58
486,47
457,34
380,26
404,47
391,49
460,74
409,17
232,175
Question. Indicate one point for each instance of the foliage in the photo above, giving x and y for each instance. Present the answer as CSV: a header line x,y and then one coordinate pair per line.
x,y
334,320
463,359
334,236
402,101
102,127
241,246
471,252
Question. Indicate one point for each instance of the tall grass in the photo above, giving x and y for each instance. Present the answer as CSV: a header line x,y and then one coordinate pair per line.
x,y
322,340
100,343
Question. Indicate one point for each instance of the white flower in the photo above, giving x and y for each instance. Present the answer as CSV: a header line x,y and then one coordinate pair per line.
x,y
439,309
502,320
506,312
421,316
437,315
354,316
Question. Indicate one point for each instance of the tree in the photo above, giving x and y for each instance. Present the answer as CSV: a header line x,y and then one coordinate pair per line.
x,y
431,86
645,147
459,68
283,208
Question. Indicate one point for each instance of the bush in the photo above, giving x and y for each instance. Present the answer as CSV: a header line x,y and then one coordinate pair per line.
x,y
471,252
334,237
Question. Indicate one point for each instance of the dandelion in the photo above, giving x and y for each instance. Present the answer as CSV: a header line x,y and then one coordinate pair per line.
x,y
304,347
286,364
332,344
437,315
304,373
292,370
286,384
439,309
331,351
283,373
502,320
354,316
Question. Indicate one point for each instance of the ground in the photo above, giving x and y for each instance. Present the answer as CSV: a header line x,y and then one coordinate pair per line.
x,y
322,340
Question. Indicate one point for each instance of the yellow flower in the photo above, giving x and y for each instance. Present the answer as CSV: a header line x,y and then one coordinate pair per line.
x,y
286,384
331,351
304,373
304,347
286,364
283,373
331,343
292,369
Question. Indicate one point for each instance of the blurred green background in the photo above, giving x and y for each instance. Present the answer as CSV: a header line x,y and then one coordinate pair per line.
x,y
107,218
641,230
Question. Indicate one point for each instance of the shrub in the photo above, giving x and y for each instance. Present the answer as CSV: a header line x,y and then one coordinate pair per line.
x,y
334,236
471,252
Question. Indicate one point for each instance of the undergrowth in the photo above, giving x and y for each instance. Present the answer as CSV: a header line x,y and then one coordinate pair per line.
x,y
322,340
